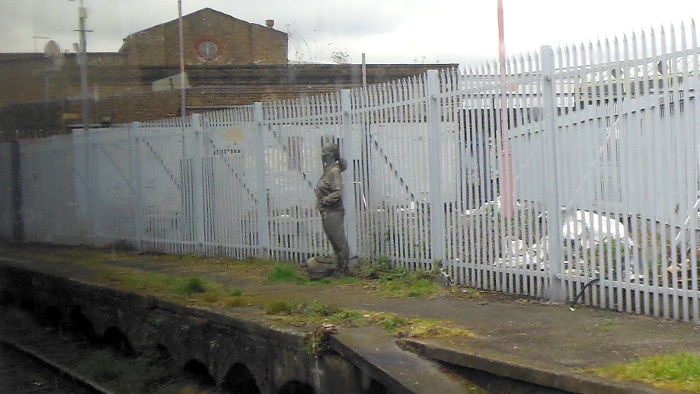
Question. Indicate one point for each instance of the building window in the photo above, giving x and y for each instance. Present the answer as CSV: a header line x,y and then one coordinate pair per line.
x,y
207,50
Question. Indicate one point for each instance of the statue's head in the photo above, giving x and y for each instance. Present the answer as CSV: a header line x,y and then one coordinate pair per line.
x,y
330,153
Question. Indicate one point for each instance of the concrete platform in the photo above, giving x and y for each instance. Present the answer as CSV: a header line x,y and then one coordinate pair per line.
x,y
545,344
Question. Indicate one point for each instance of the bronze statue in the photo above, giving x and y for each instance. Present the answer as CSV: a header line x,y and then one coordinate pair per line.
x,y
329,201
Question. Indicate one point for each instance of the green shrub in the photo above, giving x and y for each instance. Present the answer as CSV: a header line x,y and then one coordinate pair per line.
x,y
282,273
191,285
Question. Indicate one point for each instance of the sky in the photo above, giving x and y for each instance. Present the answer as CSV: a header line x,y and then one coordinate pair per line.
x,y
387,31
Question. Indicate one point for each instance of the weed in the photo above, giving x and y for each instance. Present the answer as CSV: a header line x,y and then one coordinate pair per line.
x,y
420,287
191,285
282,273
378,275
321,309
470,292
277,307
351,317
372,269
315,313
396,281
340,281
676,371
157,320
211,297
393,323
608,325
233,302
429,328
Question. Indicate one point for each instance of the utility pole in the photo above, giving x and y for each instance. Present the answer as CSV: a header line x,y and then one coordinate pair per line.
x,y
82,58
364,71
89,163
182,61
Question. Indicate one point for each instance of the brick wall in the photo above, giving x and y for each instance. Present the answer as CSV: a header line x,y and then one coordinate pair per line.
x,y
250,65
237,42
125,94
21,78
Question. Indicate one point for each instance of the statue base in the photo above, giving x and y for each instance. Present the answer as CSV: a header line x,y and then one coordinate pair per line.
x,y
320,267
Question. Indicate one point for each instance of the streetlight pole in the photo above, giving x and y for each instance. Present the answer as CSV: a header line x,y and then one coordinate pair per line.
x,y
82,59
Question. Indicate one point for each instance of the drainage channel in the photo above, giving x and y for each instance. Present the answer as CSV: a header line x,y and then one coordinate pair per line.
x,y
45,316
38,358
24,371
37,354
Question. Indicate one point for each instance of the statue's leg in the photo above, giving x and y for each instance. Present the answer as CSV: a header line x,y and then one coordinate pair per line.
x,y
333,225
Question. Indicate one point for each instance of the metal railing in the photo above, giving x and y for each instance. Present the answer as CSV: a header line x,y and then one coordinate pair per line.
x,y
575,180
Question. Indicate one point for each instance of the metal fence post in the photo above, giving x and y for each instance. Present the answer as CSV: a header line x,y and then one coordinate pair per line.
x,y
349,152
17,190
92,179
54,189
437,210
135,175
261,178
197,184
555,290
79,185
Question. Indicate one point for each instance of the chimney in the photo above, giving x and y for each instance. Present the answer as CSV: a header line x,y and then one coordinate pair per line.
x,y
270,23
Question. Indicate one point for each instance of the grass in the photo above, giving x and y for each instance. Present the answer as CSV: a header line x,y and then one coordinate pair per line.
x,y
339,281
677,371
171,287
385,280
277,307
182,283
608,325
469,292
233,302
314,314
377,276
191,285
284,273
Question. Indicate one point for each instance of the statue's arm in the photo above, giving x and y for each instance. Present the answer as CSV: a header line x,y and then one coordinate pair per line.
x,y
336,185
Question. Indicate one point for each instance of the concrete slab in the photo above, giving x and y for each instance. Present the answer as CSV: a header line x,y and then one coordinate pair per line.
x,y
401,371
519,369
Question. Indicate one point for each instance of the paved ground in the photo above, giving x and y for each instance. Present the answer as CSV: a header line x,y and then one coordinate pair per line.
x,y
523,337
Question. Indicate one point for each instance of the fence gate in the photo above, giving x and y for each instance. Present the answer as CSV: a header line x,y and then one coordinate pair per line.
x,y
569,175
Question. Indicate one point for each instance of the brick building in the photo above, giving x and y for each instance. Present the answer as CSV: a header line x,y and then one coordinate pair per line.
x,y
209,37
228,62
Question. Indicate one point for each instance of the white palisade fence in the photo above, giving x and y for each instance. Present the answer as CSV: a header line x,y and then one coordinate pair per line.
x,y
567,174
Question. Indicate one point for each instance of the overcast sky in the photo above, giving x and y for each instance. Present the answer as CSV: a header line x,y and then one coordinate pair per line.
x,y
388,31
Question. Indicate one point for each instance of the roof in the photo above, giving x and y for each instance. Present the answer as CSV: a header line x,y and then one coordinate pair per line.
x,y
203,10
